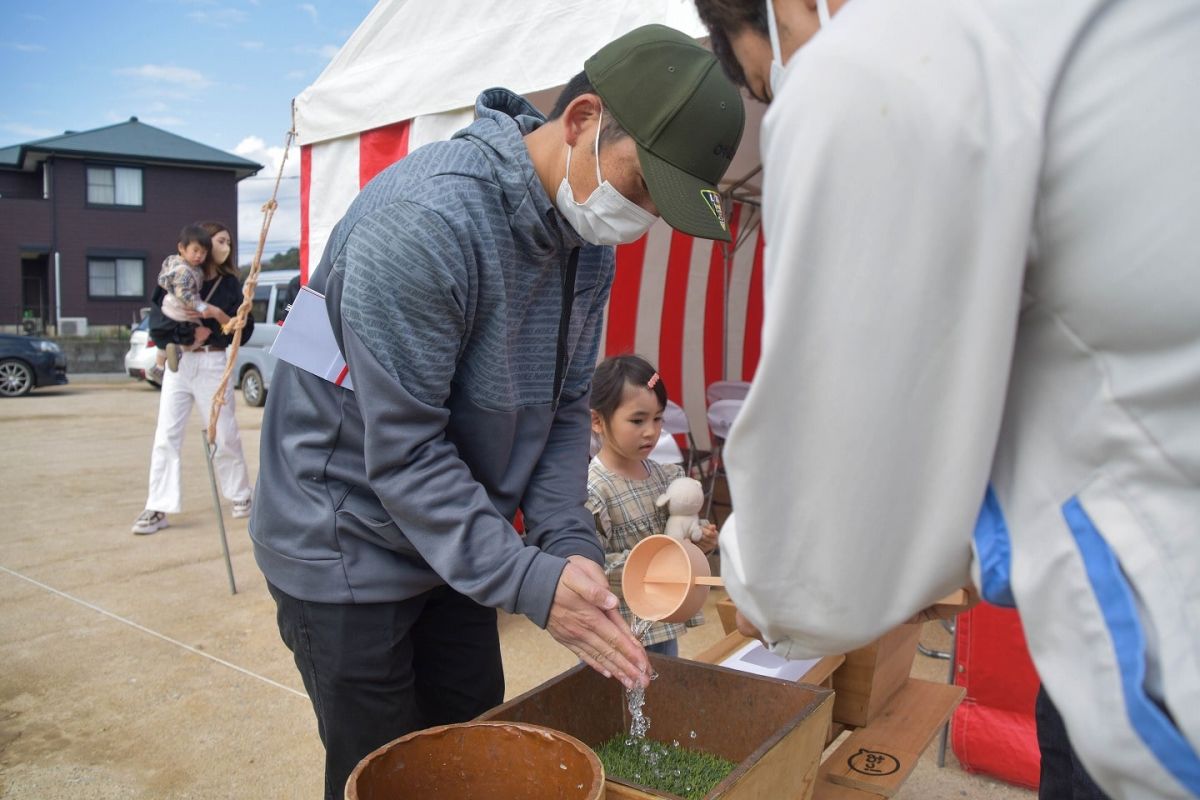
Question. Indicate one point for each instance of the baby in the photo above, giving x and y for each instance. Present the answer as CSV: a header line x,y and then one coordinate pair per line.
x,y
181,277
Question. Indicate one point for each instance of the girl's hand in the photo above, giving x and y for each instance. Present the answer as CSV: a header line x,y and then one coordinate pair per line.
x,y
708,538
212,312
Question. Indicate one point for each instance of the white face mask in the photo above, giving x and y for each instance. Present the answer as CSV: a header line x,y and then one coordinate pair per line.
x,y
606,217
776,76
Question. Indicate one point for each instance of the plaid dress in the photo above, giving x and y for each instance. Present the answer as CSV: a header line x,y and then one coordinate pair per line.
x,y
625,514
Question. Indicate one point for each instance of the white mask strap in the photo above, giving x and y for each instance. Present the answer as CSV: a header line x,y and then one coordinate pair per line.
x,y
823,12
596,148
773,33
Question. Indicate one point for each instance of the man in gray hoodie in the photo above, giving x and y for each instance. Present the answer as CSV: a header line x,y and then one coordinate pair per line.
x,y
466,286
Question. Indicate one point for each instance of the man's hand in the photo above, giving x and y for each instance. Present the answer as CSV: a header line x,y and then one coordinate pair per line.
x,y
746,627
202,334
584,618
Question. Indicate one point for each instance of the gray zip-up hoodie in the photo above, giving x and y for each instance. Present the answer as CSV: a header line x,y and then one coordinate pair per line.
x,y
445,284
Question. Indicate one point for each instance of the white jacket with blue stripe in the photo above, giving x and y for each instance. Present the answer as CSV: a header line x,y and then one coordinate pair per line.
x,y
983,289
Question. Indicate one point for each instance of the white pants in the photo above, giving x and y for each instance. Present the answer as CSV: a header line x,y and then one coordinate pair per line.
x,y
195,383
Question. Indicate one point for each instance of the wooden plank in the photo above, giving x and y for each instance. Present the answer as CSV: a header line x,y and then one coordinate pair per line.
x,y
817,675
827,790
788,770
873,674
614,790
879,757
727,613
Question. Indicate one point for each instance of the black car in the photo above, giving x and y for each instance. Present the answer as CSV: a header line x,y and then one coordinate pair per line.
x,y
29,361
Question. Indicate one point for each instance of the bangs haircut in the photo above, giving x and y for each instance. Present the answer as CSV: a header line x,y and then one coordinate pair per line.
x,y
194,233
614,374
230,266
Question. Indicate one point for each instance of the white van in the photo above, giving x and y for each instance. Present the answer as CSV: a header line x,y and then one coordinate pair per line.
x,y
255,364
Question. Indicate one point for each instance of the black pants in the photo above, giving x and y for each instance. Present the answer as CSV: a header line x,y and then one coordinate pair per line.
x,y
1063,775
377,671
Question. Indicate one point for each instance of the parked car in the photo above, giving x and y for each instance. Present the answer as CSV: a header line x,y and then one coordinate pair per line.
x,y
255,364
140,356
27,362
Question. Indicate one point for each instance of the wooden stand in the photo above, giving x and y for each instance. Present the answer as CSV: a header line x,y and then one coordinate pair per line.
x,y
892,717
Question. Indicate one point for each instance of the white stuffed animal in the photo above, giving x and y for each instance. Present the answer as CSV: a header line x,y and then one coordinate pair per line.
x,y
684,498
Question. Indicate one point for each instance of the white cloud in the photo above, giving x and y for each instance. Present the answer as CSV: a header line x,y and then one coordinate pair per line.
x,y
296,74
25,47
166,74
27,131
325,52
221,17
162,121
34,17
251,45
254,192
309,9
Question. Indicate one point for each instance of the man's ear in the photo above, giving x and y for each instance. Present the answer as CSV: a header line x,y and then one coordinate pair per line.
x,y
579,116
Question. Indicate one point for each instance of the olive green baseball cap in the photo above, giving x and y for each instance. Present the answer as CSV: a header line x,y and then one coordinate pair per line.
x,y
685,115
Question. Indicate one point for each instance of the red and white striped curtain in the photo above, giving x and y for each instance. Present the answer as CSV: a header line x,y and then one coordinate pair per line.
x,y
692,307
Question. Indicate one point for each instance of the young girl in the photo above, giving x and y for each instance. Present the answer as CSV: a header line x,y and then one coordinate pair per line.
x,y
181,277
628,400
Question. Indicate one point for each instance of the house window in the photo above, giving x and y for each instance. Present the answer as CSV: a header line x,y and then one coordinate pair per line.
x,y
114,186
116,277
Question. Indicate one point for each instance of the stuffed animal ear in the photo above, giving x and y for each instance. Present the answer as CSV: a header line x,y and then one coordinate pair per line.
x,y
662,500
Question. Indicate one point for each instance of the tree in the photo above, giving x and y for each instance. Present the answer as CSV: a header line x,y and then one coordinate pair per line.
x,y
289,259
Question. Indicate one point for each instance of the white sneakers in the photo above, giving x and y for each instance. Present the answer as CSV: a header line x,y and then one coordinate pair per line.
x,y
241,508
150,521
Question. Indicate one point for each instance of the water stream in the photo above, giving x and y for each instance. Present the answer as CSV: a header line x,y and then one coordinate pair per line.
x,y
635,698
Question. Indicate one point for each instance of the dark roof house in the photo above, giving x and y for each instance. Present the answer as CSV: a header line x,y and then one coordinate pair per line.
x,y
101,209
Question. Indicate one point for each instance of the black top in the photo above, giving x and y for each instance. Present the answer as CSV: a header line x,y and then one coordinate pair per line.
x,y
227,297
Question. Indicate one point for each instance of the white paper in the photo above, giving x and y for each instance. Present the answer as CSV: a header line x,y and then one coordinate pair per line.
x,y
757,659
306,340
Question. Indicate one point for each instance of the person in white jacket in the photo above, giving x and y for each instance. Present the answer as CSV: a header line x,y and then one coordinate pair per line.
x,y
981,346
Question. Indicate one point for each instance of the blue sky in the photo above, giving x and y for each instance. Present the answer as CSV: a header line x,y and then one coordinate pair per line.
x,y
221,72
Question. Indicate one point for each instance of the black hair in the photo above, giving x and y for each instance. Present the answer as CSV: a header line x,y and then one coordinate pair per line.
x,y
194,233
230,266
614,374
581,84
726,18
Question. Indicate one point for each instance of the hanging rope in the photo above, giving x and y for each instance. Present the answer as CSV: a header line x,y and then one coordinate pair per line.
x,y
238,322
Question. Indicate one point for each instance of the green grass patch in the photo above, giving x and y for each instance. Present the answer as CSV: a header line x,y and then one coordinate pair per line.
x,y
664,768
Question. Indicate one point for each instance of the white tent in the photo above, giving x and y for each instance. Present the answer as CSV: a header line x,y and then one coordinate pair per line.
x,y
409,75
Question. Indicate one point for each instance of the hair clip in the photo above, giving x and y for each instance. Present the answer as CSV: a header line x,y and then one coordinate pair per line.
x,y
653,380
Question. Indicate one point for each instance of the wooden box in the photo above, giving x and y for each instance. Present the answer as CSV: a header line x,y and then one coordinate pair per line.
x,y
871,675
773,730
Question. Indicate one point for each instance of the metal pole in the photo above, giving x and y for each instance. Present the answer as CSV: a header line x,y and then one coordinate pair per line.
x,y
941,757
57,293
212,480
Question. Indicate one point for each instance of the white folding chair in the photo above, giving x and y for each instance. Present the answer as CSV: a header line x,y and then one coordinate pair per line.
x,y
721,415
675,422
726,390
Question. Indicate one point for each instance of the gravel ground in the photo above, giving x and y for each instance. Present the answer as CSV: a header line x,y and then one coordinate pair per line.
x,y
130,671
